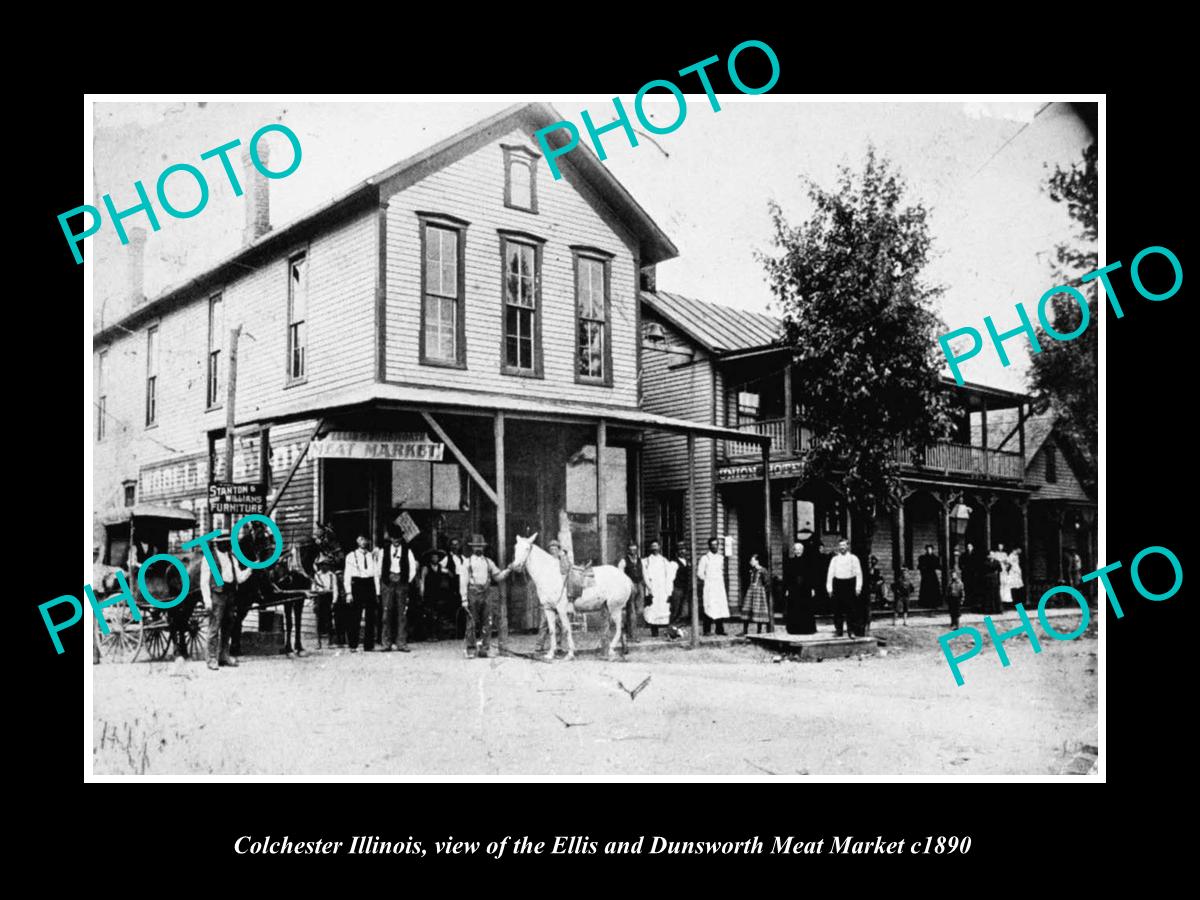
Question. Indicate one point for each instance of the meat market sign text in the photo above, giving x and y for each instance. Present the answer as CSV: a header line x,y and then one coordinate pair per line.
x,y
357,445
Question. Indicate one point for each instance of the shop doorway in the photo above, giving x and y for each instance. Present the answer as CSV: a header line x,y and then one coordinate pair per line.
x,y
351,495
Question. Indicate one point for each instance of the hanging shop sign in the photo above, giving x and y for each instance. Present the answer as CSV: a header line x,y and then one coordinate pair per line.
x,y
364,445
244,499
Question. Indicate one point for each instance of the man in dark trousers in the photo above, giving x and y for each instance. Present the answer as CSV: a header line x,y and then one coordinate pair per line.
x,y
397,572
631,565
456,565
362,586
844,583
929,565
221,600
681,593
482,573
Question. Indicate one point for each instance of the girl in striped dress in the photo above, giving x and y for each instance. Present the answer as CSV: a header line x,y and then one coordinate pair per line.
x,y
754,603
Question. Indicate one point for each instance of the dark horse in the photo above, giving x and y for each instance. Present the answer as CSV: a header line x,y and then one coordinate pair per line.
x,y
259,588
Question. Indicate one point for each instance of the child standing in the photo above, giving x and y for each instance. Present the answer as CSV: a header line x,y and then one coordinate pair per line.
x,y
901,592
955,595
754,602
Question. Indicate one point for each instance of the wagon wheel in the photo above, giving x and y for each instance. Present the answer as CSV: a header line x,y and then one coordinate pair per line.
x,y
157,638
197,646
124,638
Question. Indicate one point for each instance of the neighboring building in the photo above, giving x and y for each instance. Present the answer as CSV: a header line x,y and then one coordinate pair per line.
x,y
724,367
455,335
1062,508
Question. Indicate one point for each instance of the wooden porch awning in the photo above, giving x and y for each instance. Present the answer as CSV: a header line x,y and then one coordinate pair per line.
x,y
481,403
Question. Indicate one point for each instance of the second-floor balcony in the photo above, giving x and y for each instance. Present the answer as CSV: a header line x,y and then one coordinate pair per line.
x,y
943,457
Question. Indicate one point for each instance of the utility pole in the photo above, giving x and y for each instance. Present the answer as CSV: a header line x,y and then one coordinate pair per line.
x,y
230,399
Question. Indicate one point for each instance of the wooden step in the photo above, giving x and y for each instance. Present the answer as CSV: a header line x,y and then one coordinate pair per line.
x,y
815,646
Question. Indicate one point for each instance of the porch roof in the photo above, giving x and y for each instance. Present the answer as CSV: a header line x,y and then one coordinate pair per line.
x,y
481,403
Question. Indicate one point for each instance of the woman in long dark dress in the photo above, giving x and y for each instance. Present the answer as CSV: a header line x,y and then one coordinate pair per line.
x,y
969,564
797,587
931,585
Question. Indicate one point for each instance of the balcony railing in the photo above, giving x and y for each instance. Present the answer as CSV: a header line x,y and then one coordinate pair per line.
x,y
963,459
772,427
943,456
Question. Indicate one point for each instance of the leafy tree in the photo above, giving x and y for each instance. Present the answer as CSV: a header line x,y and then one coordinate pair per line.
x,y
863,328
1064,376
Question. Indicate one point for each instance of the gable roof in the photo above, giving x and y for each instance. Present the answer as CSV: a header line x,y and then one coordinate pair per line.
x,y
717,329
581,163
1002,433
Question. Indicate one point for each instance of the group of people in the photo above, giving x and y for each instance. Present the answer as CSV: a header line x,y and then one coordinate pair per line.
x,y
981,581
369,602
991,580
662,590
377,589
662,597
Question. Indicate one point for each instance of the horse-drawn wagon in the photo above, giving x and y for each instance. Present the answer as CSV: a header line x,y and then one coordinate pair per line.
x,y
133,534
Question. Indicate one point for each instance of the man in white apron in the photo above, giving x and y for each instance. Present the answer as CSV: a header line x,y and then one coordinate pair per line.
x,y
710,570
657,572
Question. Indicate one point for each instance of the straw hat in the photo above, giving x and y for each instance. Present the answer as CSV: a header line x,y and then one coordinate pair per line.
x,y
477,541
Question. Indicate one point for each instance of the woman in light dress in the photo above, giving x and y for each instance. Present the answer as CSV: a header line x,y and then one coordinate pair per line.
x,y
1002,559
1016,578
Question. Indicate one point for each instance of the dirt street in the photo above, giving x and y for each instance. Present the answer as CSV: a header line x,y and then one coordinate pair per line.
x,y
720,711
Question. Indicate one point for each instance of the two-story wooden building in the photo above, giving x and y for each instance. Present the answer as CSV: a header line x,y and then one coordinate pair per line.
x,y
723,366
457,337
1062,506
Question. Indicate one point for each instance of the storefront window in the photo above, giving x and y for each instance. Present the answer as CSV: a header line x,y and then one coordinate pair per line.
x,y
422,485
581,501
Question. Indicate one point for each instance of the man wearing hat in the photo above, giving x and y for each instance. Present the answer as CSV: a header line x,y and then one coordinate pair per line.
x,y
397,572
330,612
221,601
482,573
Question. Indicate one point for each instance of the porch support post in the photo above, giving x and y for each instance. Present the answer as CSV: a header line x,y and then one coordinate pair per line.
x,y
601,499
501,522
789,435
766,557
692,549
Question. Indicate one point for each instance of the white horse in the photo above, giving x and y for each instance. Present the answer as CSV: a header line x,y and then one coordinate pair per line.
x,y
611,592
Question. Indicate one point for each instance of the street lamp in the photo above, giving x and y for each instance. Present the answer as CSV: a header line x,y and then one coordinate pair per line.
x,y
959,517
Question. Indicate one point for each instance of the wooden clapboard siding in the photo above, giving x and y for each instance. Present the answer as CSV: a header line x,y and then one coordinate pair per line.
x,y
684,392
472,189
881,547
342,266
1066,487
341,352
294,513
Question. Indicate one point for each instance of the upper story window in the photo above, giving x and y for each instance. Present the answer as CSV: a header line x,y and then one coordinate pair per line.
x,y
1051,464
298,318
216,340
520,178
522,305
747,406
101,394
130,488
151,375
593,362
443,292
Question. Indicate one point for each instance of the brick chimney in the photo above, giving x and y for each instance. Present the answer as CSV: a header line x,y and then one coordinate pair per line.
x,y
135,267
649,280
258,195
